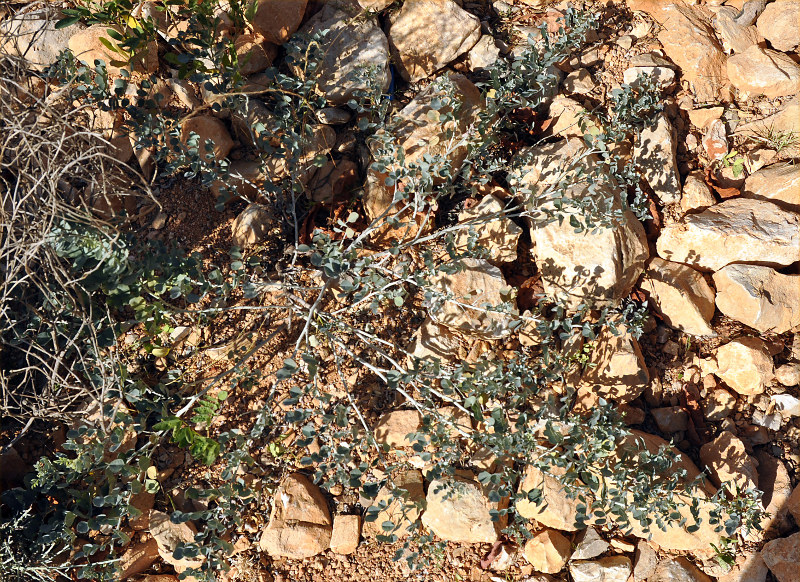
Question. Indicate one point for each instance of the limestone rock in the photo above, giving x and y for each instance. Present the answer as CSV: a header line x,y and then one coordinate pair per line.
x,y
277,20
749,567
645,561
245,176
393,427
495,232
617,369
427,34
594,266
253,53
660,70
32,35
85,44
346,533
207,128
137,558
547,551
788,374
458,510
300,523
432,340
403,512
169,536
759,71
736,37
774,482
655,156
484,54
414,132
738,230
715,140
556,509
253,225
681,295
351,45
678,570
784,121
779,184
143,502
696,194
745,365
571,119
670,419
779,24
579,82
478,286
589,545
719,405
759,297
701,117
782,557
689,41
728,462
794,504
611,569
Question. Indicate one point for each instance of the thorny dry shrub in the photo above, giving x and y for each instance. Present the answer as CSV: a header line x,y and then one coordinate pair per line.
x,y
53,348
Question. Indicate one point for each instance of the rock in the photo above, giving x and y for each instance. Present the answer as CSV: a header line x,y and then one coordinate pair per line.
x,y
253,53
645,561
426,35
794,504
244,176
403,512
333,181
696,194
495,232
689,41
670,419
458,510
14,468
611,569
484,54
300,523
432,340
779,184
556,509
86,45
658,69
597,267
333,116
774,482
32,35
760,297
589,545
678,570
778,24
785,121
782,557
352,45
547,551
207,128
788,374
479,285
374,5
700,118
655,156
719,405
715,140
680,295
737,230
759,71
579,82
346,533
169,536
143,502
253,225
571,119
749,567
137,558
729,463
735,37
393,427
414,132
745,365
277,20
616,370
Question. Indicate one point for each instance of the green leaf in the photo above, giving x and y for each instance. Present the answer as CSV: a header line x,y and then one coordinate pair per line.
x,y
205,450
68,21
170,423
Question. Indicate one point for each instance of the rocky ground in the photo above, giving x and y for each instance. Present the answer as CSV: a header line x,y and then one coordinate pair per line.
x,y
717,372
